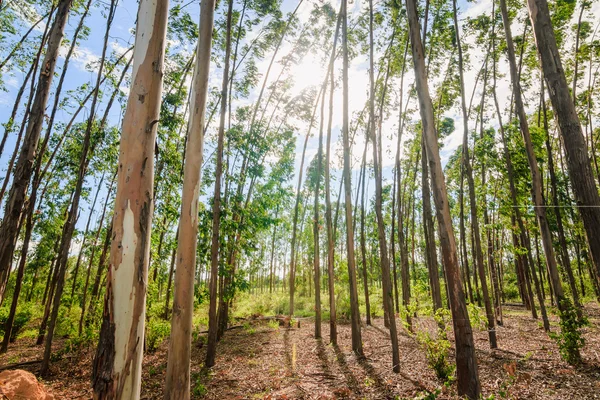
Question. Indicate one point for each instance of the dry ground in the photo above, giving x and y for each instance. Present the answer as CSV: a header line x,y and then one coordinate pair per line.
x,y
263,362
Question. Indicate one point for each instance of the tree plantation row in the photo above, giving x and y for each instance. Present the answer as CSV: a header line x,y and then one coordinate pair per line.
x,y
171,167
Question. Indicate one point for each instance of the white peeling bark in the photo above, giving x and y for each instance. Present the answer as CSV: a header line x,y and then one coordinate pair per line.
x,y
118,361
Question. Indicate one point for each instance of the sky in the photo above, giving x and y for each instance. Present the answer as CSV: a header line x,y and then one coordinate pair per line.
x,y
309,72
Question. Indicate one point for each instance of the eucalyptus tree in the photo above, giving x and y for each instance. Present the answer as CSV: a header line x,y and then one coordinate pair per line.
x,y
471,182
578,160
24,165
118,361
384,259
537,191
351,261
215,244
466,364
178,367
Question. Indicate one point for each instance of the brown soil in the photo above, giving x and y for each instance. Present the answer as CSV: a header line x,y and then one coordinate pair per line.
x,y
262,362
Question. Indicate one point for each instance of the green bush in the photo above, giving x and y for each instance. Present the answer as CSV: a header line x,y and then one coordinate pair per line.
x,y
569,339
157,330
67,323
436,348
476,317
22,317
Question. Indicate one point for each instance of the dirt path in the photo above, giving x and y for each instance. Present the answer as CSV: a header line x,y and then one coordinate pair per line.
x,y
263,362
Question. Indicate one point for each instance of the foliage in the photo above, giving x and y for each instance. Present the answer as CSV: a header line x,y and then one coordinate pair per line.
x,y
157,330
23,315
570,339
436,348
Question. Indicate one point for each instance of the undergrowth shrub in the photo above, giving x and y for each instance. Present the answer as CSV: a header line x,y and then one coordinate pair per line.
x,y
569,340
157,330
67,323
23,315
476,317
436,348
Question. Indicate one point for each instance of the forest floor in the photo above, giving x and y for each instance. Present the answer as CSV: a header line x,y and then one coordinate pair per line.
x,y
262,361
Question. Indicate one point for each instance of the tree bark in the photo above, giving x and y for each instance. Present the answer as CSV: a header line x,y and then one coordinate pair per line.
x,y
472,202
388,302
118,361
212,320
354,311
466,365
177,384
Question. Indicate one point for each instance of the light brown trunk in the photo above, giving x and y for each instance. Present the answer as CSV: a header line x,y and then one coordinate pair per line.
x,y
354,311
466,365
177,381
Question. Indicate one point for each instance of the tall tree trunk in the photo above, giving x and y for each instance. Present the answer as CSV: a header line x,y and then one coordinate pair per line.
x,y
328,216
537,192
8,325
351,261
169,283
404,273
466,365
428,231
388,303
580,168
527,262
118,361
463,238
316,251
472,202
177,384
212,318
24,165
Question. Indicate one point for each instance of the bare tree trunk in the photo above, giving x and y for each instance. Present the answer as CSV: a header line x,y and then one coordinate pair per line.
x,y
469,170
580,168
388,302
463,239
84,239
297,210
428,230
118,361
329,221
93,252
526,262
537,193
212,319
466,365
177,384
351,261
316,250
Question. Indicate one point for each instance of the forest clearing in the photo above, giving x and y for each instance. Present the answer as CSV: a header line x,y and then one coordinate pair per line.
x,y
299,199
